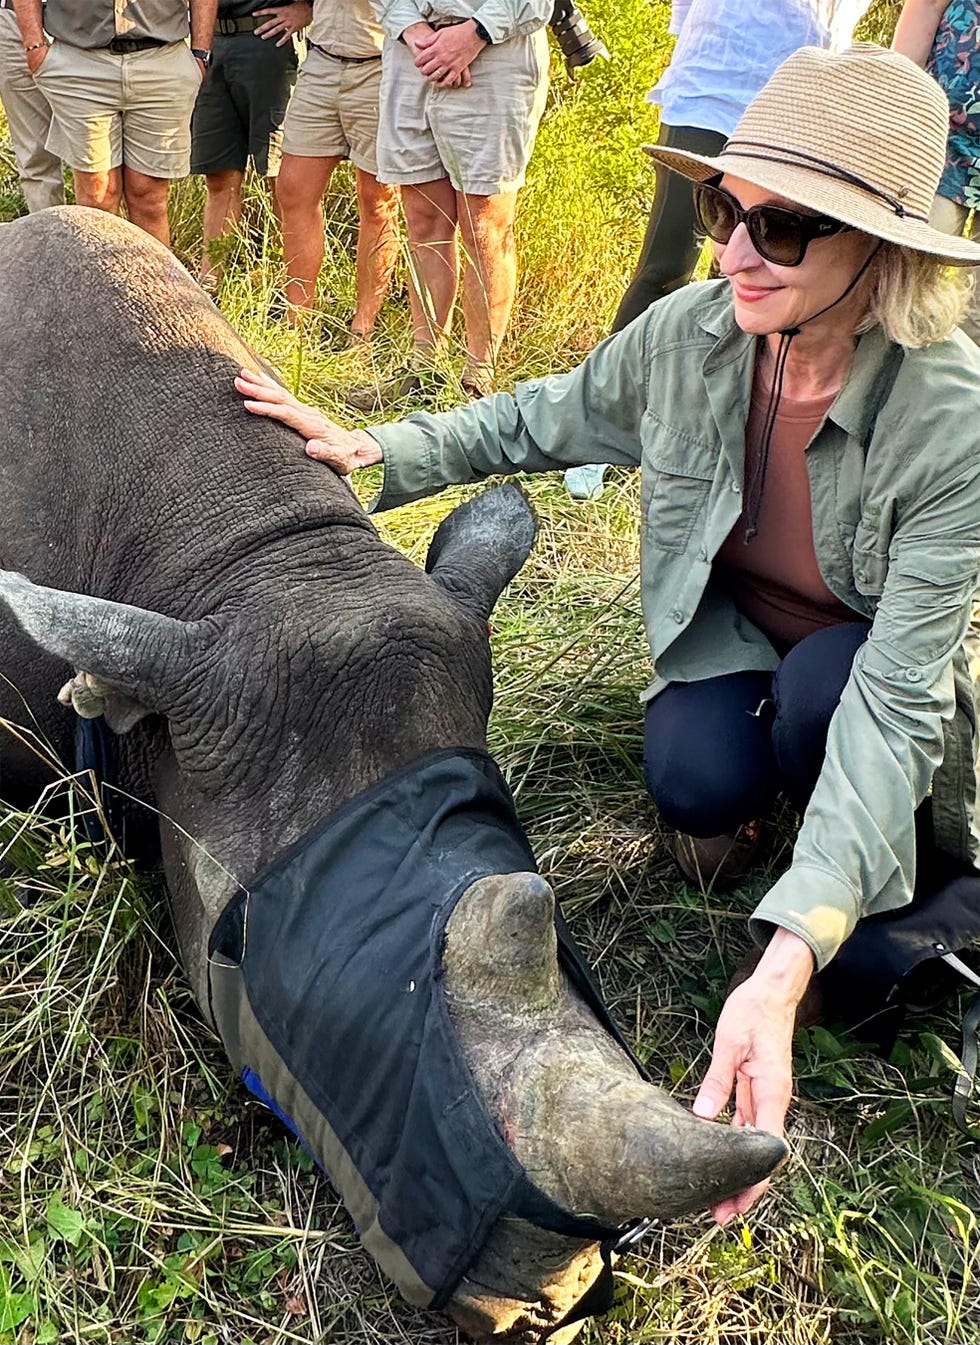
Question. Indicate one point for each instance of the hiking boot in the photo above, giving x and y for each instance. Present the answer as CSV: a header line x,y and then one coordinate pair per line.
x,y
421,386
717,861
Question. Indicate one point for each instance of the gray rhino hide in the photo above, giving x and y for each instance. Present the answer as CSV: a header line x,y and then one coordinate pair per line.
x,y
318,660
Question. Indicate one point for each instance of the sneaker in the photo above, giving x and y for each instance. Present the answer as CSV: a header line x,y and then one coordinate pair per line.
x,y
422,386
717,861
585,483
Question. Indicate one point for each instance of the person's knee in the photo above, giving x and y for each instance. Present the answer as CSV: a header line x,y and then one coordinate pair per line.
x,y
429,213
375,200
301,183
146,195
99,191
809,682
486,223
224,183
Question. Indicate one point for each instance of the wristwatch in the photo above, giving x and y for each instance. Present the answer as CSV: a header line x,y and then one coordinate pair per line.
x,y
482,33
205,57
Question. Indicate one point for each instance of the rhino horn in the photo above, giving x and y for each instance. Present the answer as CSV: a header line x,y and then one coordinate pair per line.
x,y
479,548
136,651
589,1130
502,948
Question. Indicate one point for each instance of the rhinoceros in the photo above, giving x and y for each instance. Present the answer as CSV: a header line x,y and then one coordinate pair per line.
x,y
263,658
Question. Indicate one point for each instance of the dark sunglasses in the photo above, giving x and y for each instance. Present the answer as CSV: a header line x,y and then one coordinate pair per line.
x,y
779,235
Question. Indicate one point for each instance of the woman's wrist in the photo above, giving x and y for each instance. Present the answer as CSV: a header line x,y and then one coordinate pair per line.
x,y
787,964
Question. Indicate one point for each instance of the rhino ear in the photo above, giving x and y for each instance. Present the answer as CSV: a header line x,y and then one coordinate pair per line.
x,y
480,546
128,650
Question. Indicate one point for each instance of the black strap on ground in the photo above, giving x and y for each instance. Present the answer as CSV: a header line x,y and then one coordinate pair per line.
x,y
966,1078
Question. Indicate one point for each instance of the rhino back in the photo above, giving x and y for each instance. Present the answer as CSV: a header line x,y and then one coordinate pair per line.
x,y
128,465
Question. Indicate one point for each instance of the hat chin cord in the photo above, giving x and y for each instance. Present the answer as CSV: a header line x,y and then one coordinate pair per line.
x,y
757,482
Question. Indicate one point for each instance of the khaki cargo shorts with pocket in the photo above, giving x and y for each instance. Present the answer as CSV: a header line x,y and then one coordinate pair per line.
x,y
481,138
110,109
334,111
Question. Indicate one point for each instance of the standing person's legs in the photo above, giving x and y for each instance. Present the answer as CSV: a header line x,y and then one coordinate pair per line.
x,y
84,90
377,248
146,202
430,222
159,88
29,119
238,115
670,247
302,182
486,224
100,191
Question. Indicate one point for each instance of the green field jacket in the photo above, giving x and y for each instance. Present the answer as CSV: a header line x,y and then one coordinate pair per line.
x,y
895,487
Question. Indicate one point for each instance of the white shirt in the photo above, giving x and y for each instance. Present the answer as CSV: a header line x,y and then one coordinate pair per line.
x,y
727,49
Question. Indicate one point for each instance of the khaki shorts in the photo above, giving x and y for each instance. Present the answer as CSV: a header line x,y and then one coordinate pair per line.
x,y
334,111
110,110
480,137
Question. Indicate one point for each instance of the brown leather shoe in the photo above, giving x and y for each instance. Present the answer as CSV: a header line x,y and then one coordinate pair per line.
x,y
717,861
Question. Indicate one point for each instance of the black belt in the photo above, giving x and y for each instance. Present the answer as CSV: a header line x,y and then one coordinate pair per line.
x,y
229,27
124,46
444,23
347,60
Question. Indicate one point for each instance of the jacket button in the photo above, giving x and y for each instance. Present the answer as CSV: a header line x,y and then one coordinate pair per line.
x,y
913,675
702,553
736,488
678,615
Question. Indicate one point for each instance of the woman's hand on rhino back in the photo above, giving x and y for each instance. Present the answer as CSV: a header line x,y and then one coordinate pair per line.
x,y
341,449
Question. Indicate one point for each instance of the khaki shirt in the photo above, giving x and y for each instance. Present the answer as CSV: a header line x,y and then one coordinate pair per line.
x,y
503,19
83,23
895,487
346,27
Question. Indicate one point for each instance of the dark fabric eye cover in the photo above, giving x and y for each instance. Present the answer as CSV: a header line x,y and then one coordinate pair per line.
x,y
325,984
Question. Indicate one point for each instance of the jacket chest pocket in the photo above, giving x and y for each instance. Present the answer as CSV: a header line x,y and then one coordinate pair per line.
x,y
676,482
672,505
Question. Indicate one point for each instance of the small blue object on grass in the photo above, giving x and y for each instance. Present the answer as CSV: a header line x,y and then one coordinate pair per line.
x,y
585,483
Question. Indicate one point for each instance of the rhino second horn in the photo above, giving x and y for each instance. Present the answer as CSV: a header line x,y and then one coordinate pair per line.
x,y
501,948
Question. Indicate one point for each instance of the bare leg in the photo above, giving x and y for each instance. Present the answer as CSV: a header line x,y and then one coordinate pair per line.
x,y
299,193
222,213
100,191
377,248
146,202
430,218
486,224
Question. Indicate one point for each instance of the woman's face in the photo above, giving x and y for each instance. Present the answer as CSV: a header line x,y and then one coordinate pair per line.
x,y
769,298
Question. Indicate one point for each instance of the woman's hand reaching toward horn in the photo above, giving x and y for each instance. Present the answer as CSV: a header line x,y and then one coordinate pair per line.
x,y
753,1049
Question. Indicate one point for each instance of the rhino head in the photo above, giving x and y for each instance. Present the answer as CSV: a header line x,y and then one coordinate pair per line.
x,y
589,1131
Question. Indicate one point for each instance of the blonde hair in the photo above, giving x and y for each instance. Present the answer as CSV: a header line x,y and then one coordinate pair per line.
x,y
915,298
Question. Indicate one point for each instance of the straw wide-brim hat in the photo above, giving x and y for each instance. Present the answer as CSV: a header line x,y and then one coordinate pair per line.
x,y
859,135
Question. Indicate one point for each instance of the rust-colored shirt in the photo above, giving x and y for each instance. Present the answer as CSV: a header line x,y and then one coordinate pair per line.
x,y
774,579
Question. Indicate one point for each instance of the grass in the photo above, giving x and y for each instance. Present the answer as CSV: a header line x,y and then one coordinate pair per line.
x,y
145,1197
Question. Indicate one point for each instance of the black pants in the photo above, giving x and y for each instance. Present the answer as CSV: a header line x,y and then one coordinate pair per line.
x,y
670,248
717,752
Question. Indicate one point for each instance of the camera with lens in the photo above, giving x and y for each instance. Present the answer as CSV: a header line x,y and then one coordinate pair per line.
x,y
578,43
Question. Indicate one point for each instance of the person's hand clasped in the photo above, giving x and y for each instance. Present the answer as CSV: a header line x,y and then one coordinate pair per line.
x,y
753,1051
283,21
445,56
343,450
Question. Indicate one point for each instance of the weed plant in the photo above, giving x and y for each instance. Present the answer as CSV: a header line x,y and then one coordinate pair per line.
x,y
145,1197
